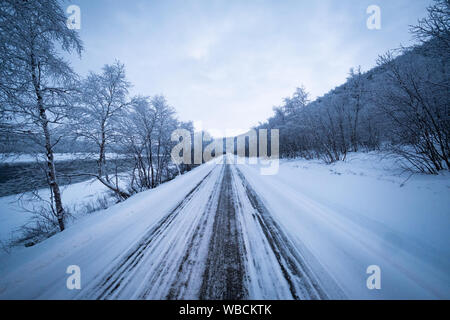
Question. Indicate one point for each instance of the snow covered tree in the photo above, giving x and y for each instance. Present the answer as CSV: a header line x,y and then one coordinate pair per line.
x,y
293,106
35,81
435,27
416,95
165,125
101,106
356,90
145,134
416,104
137,138
402,105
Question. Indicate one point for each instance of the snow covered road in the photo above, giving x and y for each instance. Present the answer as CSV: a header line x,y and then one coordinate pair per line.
x,y
223,231
219,242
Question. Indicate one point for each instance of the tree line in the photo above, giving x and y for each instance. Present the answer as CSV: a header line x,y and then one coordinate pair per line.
x,y
43,100
401,106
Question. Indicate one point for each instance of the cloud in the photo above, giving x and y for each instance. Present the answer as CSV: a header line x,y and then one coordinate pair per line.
x,y
227,63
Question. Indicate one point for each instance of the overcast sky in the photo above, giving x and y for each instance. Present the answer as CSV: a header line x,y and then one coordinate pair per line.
x,y
225,64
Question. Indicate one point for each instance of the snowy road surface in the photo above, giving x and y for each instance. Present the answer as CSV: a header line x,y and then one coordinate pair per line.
x,y
202,249
218,233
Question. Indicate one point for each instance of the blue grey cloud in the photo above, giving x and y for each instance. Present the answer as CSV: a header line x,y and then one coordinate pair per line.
x,y
227,63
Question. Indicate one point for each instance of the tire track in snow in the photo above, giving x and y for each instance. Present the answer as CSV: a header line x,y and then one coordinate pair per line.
x,y
116,277
204,247
189,272
224,277
300,278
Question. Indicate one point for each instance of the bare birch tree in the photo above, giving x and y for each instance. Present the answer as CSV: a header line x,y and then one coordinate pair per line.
x,y
35,80
100,109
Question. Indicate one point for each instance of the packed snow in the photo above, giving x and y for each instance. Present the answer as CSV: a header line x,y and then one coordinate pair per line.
x,y
361,212
14,209
340,219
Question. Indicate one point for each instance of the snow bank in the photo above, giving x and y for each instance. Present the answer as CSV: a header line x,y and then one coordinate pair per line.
x,y
361,212
92,243
13,215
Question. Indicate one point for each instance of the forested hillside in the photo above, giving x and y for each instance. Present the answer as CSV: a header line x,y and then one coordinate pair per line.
x,y
400,106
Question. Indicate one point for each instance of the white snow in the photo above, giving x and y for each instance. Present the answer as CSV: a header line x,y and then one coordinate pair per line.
x,y
92,243
343,217
354,214
13,209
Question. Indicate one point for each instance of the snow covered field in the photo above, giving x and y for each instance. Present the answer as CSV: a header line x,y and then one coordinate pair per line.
x,y
357,213
93,243
13,209
309,231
